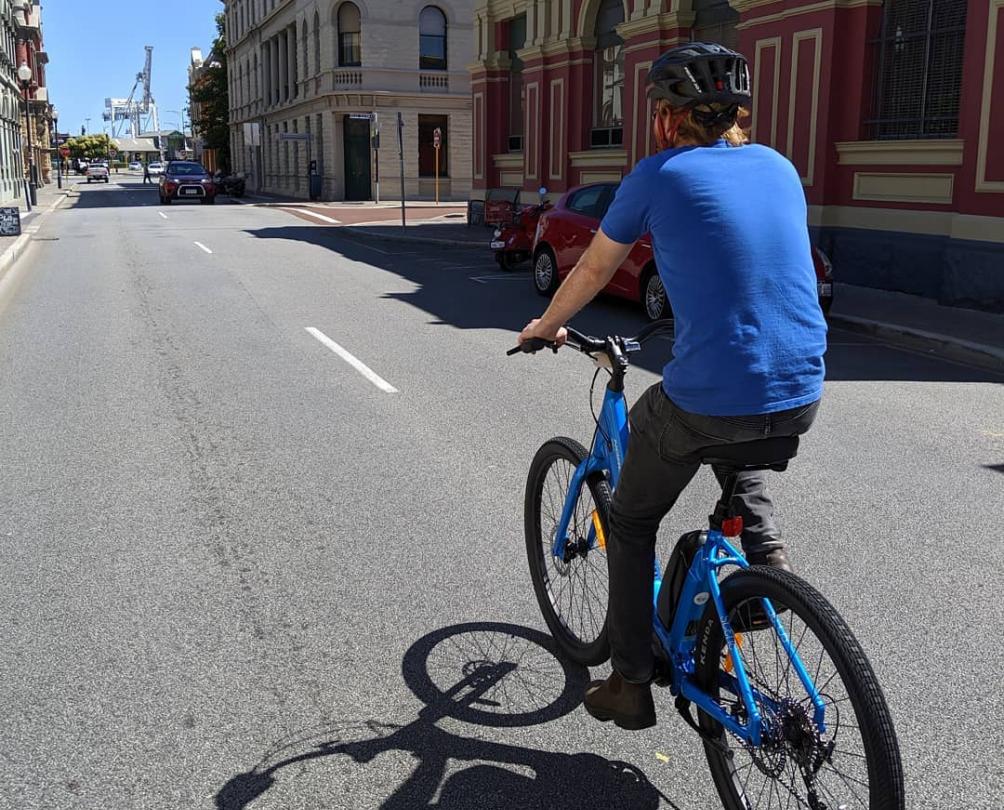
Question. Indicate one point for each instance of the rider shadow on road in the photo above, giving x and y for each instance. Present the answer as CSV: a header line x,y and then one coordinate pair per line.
x,y
487,673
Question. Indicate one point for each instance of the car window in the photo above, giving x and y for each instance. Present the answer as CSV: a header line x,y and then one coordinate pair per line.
x,y
606,200
186,169
592,201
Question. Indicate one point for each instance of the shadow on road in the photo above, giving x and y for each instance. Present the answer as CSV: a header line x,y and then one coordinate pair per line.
x,y
487,673
464,288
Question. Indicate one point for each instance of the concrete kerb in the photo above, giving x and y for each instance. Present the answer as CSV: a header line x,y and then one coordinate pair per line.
x,y
986,357
11,254
364,235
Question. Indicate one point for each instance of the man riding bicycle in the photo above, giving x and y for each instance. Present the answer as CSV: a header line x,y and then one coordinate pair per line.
x,y
728,229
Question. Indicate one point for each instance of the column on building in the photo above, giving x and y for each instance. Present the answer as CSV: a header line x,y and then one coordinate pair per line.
x,y
283,67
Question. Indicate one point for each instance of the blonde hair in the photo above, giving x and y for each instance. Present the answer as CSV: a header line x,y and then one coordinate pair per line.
x,y
703,135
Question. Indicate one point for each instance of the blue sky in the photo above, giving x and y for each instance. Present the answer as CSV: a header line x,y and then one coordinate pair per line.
x,y
96,49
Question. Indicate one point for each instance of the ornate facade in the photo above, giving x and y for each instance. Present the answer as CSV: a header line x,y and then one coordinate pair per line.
x,y
307,78
889,110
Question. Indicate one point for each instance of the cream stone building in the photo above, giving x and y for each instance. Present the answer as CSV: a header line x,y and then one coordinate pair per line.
x,y
313,82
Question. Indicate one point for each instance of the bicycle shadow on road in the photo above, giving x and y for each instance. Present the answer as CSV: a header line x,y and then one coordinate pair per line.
x,y
485,673
464,288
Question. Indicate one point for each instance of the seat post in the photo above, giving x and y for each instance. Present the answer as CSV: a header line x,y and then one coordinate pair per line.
x,y
723,509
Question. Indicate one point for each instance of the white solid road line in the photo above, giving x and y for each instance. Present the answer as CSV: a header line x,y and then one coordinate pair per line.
x,y
315,215
353,361
162,214
199,244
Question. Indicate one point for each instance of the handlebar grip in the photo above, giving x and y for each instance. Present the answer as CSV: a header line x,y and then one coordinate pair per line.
x,y
532,346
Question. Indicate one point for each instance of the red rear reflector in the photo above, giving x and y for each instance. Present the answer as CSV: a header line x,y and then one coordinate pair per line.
x,y
732,527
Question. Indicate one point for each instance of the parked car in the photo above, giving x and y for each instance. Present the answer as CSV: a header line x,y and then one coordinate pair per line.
x,y
186,180
81,165
564,232
97,170
156,167
135,166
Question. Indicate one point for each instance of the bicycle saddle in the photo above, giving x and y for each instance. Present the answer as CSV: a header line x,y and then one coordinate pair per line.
x,y
762,454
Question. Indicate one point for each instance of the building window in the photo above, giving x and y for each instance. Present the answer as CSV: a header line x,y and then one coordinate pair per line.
x,y
432,39
349,52
427,125
608,119
517,40
919,69
715,21
317,44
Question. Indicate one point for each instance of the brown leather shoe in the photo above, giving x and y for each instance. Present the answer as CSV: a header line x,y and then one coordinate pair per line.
x,y
774,558
629,705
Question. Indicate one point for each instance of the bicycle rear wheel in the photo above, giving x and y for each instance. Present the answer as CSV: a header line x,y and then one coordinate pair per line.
x,y
571,590
855,764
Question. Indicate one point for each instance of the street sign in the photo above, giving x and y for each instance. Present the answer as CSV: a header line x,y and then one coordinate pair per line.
x,y
294,136
437,137
112,152
362,116
64,151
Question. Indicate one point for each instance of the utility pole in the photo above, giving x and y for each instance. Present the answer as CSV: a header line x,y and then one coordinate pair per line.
x,y
400,156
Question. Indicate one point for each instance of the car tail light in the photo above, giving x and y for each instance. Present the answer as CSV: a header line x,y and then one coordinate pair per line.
x,y
823,265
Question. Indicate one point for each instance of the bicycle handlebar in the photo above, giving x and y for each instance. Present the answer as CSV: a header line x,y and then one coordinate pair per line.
x,y
588,344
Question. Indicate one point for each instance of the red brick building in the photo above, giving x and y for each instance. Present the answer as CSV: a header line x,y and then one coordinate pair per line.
x,y
893,113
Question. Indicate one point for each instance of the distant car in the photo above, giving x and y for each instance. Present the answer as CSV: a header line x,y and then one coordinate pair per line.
x,y
82,166
97,171
135,166
564,232
156,167
186,180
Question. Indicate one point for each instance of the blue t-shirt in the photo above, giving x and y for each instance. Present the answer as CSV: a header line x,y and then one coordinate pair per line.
x,y
728,227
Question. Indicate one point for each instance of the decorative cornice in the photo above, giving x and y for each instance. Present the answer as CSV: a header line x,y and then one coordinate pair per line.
x,y
900,153
822,5
598,158
656,22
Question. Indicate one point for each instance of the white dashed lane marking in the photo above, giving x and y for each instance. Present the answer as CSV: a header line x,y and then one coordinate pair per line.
x,y
353,361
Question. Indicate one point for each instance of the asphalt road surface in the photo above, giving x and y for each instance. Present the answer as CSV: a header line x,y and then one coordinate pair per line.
x,y
238,572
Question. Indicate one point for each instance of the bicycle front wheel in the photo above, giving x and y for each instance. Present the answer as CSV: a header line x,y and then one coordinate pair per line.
x,y
855,764
572,588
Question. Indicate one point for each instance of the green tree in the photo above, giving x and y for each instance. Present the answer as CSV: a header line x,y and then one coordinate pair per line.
x,y
210,99
89,146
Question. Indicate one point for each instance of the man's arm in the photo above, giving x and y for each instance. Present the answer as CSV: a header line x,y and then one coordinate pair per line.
x,y
590,275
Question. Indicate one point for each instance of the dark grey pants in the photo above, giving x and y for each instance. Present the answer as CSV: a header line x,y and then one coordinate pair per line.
x,y
662,457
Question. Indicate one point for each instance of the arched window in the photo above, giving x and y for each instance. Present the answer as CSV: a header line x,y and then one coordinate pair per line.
x,y
304,53
608,117
317,44
349,51
432,39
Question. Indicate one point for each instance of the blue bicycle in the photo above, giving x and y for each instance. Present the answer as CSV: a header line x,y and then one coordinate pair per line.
x,y
787,705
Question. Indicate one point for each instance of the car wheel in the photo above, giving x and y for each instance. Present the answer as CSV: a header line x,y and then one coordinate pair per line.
x,y
545,272
653,297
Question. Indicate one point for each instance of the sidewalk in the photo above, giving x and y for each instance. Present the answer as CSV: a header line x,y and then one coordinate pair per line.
x,y
967,335
12,246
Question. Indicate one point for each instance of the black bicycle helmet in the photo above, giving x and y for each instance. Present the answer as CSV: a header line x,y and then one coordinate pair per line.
x,y
705,75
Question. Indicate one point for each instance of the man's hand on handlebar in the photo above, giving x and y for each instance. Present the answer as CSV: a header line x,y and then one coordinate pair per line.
x,y
536,329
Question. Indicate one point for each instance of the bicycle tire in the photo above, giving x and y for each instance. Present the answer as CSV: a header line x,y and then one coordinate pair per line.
x,y
885,786
588,651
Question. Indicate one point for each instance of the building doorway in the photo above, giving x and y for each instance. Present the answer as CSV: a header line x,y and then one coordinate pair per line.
x,y
357,158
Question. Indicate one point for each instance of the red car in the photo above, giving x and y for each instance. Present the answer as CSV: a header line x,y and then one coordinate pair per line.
x,y
564,232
